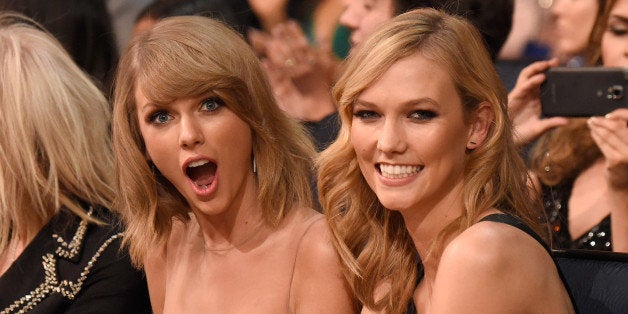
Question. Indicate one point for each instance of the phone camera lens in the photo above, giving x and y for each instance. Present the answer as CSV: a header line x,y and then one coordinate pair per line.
x,y
615,92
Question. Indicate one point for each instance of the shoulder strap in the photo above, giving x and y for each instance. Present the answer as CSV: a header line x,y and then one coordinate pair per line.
x,y
510,220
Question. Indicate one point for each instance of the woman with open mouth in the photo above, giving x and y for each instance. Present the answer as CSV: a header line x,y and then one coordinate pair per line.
x,y
213,180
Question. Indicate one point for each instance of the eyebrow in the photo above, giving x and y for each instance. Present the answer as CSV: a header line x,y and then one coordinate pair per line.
x,y
405,104
620,18
150,105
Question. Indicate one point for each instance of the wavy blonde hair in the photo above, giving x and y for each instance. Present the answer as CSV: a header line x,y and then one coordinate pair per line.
x,y
55,148
372,241
190,56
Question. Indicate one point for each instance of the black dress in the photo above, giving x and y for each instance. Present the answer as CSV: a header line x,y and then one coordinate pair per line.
x,y
555,201
74,267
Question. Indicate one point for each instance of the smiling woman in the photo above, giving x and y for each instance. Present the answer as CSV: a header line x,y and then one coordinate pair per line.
x,y
424,190
213,180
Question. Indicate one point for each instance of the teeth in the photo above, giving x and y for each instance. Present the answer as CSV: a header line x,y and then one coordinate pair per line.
x,y
397,171
198,163
202,186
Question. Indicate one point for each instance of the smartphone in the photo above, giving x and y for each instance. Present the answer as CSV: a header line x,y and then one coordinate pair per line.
x,y
583,91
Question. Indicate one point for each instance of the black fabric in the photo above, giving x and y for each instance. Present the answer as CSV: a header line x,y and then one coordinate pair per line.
x,y
556,203
324,132
598,280
111,285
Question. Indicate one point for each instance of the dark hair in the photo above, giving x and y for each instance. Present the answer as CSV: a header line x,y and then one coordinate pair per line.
x,y
83,27
493,18
235,13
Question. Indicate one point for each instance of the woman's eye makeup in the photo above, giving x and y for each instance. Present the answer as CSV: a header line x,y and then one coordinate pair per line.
x,y
365,114
423,115
159,117
211,104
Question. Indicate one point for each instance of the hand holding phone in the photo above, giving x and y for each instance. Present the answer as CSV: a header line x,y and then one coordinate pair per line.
x,y
584,91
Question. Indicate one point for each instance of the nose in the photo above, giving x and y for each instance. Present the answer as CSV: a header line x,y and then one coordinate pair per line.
x,y
556,8
190,133
392,138
349,17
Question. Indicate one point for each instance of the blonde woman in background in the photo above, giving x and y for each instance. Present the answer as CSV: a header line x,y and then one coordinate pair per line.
x,y
60,244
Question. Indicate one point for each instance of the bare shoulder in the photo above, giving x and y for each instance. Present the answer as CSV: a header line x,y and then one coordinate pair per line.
x,y
315,237
318,284
491,256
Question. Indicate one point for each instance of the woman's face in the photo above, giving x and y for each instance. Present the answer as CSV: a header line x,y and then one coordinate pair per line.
x,y
363,17
615,38
201,147
572,24
410,137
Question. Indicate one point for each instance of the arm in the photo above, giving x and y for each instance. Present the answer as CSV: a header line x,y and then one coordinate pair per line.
x,y
319,285
524,104
496,268
270,12
611,136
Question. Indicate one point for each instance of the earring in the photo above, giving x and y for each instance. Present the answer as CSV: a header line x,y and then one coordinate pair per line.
x,y
254,165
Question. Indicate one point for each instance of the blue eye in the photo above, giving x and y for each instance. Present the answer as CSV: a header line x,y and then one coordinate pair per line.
x,y
211,104
365,114
159,117
423,115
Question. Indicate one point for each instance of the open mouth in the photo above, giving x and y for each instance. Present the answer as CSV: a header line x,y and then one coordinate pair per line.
x,y
397,171
201,173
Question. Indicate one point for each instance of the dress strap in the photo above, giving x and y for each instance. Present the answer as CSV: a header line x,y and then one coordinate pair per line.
x,y
511,220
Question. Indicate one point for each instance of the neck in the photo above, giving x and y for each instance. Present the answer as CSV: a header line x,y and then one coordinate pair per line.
x,y
239,224
426,222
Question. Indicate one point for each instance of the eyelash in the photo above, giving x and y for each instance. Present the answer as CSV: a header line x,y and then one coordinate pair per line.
x,y
215,103
419,115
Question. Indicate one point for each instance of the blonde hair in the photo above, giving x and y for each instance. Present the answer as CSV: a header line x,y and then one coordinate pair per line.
x,y
190,56
372,241
55,148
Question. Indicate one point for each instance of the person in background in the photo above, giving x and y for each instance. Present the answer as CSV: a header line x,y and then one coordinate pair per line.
x,y
235,13
424,190
313,104
59,242
581,164
213,179
570,26
83,27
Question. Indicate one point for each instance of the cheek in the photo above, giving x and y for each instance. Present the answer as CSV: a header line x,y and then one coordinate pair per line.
x,y
360,140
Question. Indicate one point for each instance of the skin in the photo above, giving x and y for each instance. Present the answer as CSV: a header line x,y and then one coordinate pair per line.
x,y
226,257
363,17
413,117
615,38
572,24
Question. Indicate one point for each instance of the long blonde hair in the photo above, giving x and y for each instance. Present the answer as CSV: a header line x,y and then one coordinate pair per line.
x,y
55,148
189,56
372,241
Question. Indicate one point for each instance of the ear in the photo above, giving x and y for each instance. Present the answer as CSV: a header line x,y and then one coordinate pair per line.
x,y
481,121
